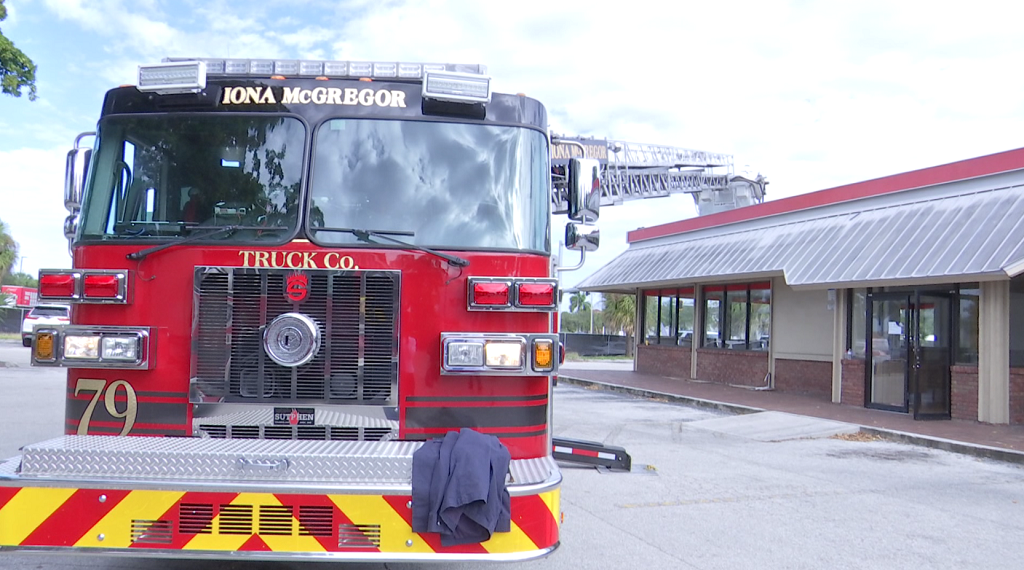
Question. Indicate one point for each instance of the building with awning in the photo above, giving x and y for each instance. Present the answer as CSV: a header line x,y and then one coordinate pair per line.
x,y
902,293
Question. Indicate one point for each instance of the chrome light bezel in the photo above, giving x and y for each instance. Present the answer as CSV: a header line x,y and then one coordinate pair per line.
x,y
144,359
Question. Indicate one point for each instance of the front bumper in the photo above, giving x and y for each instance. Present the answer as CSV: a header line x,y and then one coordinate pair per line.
x,y
270,500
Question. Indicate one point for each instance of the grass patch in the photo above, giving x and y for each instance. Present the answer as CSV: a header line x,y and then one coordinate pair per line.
x,y
10,336
859,436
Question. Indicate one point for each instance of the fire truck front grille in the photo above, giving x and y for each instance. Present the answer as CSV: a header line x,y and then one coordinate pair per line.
x,y
357,312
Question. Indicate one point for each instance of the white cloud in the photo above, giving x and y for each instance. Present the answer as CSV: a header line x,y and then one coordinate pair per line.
x,y
31,205
812,95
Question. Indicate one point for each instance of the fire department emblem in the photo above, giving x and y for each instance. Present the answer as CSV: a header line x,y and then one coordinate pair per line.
x,y
297,287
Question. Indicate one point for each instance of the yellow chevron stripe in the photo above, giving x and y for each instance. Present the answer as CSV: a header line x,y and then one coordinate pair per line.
x,y
514,541
553,500
280,543
373,509
27,510
116,525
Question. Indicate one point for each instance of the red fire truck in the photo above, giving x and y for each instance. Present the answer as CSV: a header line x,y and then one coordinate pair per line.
x,y
289,274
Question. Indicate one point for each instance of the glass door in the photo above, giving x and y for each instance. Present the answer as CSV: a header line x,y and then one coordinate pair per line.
x,y
889,351
932,354
910,351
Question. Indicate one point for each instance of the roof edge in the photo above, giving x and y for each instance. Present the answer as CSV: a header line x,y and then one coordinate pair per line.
x,y
955,171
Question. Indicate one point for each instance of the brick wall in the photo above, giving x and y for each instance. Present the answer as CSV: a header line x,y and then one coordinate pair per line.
x,y
964,392
811,376
742,367
671,361
1017,395
853,382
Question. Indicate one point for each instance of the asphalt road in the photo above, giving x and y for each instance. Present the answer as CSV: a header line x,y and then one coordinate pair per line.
x,y
705,492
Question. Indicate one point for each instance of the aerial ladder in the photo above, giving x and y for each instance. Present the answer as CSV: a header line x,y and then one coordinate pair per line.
x,y
632,171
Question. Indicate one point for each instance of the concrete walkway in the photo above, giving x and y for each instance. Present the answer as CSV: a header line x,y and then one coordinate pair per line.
x,y
1002,442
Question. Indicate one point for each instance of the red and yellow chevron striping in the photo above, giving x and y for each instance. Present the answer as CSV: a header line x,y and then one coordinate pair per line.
x,y
360,526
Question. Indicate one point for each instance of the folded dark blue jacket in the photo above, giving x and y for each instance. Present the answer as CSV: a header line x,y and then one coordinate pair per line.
x,y
458,487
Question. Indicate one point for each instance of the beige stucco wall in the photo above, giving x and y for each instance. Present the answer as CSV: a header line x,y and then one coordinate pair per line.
x,y
802,323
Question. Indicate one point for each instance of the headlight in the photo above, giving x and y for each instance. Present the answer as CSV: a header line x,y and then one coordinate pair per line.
x,y
465,354
120,348
82,347
504,354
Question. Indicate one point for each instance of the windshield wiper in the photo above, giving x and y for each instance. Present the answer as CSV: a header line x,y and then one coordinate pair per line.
x,y
365,235
214,231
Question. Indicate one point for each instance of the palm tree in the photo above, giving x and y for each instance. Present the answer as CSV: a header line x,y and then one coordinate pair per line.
x,y
578,302
620,314
8,250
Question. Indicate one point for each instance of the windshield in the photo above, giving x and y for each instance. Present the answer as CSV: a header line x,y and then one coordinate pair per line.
x,y
166,175
450,185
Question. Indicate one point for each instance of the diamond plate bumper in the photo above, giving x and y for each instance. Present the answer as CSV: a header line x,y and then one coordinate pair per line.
x,y
259,499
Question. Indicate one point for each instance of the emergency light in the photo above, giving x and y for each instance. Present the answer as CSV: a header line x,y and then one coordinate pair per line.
x,y
334,69
87,286
171,78
503,293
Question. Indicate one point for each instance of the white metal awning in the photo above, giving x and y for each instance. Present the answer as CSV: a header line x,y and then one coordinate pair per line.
x,y
971,236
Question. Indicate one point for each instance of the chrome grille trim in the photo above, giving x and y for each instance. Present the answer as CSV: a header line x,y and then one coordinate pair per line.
x,y
358,312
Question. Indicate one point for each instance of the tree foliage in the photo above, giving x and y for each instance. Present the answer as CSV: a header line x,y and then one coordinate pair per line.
x,y
620,312
8,251
16,69
578,302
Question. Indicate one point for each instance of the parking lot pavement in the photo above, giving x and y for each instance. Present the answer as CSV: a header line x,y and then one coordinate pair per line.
x,y
697,497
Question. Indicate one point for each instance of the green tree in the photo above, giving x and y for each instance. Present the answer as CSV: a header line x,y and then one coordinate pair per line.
x,y
8,251
620,315
16,69
578,302
20,279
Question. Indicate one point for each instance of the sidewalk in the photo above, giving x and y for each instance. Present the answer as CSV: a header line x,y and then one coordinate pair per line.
x,y
1001,442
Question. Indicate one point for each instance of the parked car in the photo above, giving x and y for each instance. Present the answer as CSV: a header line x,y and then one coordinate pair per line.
x,y
43,315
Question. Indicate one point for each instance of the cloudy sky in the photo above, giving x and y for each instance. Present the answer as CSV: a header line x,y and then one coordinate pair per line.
x,y
810,94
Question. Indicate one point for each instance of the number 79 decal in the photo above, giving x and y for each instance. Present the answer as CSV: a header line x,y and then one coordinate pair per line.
x,y
109,393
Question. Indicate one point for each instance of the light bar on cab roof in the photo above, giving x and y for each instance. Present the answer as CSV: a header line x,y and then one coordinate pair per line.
x,y
455,86
170,78
330,69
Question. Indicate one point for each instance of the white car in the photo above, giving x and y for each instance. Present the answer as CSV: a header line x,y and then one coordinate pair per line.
x,y
44,315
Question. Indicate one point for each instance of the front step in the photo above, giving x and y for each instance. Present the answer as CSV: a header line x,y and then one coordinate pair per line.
x,y
380,464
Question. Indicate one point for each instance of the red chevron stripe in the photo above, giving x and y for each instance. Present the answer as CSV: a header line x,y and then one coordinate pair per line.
x,y
330,543
433,539
173,515
255,544
534,518
6,494
74,518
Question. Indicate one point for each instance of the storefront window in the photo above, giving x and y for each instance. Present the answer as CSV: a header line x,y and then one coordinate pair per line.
x,y
967,345
651,307
684,317
713,297
856,315
667,320
737,317
760,318
1016,317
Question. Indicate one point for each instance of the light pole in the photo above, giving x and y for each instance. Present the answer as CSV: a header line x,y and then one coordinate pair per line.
x,y
21,263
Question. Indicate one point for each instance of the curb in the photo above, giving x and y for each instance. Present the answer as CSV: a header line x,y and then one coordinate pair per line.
x,y
697,402
975,450
972,449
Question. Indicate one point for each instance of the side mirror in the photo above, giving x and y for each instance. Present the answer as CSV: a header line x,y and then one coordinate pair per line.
x,y
74,177
584,186
71,226
582,238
